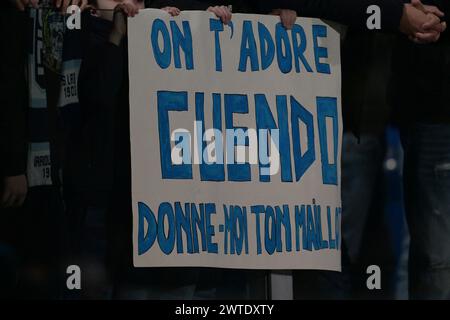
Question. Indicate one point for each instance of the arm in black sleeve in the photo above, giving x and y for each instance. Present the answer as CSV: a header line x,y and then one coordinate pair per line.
x,y
185,4
13,105
158,4
180,4
102,73
349,12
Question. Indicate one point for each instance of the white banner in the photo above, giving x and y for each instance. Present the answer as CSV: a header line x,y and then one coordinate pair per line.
x,y
236,137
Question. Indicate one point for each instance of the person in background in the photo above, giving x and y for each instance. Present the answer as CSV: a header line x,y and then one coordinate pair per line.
x,y
100,157
366,115
13,137
421,101
422,24
51,111
426,162
13,144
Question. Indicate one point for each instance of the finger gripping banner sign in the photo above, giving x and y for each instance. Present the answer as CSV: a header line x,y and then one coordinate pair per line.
x,y
236,135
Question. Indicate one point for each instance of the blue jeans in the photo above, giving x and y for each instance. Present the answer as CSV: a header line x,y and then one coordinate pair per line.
x,y
361,164
427,204
361,167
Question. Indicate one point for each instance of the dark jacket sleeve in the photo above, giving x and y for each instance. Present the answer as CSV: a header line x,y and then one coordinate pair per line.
x,y
348,12
182,4
13,95
102,73
100,89
247,6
